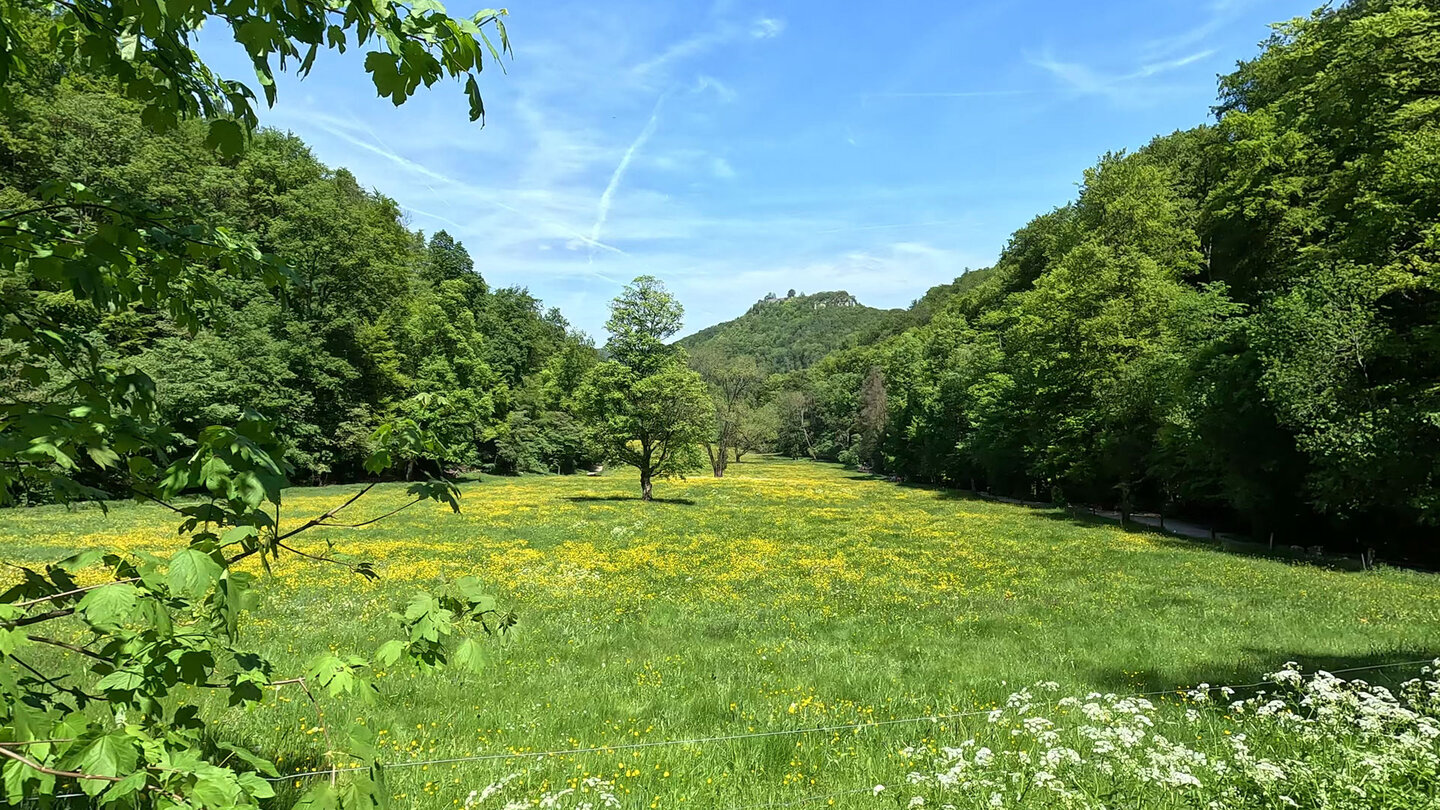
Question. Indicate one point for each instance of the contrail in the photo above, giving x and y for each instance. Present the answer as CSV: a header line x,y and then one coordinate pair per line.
x,y
602,211
425,171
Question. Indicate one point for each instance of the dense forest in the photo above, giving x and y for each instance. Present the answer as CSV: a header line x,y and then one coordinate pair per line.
x,y
796,331
380,321
1239,322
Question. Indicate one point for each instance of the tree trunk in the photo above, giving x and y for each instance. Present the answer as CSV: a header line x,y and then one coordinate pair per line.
x,y
1125,505
645,486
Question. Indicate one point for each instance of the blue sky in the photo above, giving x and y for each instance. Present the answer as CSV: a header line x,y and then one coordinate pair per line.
x,y
735,149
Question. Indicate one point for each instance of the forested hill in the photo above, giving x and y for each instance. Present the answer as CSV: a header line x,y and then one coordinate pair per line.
x,y
1239,322
795,332
792,333
380,322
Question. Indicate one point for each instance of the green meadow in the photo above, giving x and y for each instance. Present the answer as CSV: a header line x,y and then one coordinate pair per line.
x,y
786,596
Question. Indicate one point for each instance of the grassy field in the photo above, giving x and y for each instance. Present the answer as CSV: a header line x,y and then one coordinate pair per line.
x,y
787,595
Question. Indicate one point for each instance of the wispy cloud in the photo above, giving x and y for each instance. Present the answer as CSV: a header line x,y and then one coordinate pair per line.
x,y
344,130
707,40
721,168
767,28
635,139
1129,86
1154,57
1218,14
1155,68
721,89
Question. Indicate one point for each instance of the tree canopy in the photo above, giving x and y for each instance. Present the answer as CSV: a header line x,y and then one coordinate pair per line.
x,y
158,285
648,408
1238,321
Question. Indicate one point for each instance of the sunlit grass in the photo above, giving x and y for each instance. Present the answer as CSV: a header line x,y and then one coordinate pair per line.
x,y
786,595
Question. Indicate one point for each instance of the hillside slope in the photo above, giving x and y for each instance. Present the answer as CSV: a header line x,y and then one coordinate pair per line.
x,y
797,331
792,333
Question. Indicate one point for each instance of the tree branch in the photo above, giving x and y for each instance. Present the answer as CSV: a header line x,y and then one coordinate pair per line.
x,y
37,618
373,520
310,524
71,647
72,593
32,764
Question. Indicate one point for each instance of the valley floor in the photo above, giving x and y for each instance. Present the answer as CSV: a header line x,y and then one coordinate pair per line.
x,y
787,595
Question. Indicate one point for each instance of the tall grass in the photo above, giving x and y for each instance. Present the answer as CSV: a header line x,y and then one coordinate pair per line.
x,y
787,595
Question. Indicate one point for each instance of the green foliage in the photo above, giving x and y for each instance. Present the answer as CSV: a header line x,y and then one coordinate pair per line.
x,y
103,274
642,318
1238,321
146,49
371,316
793,333
777,588
736,385
648,409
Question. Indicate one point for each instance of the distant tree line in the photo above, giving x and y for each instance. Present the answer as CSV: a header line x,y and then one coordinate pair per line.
x,y
380,322
1239,322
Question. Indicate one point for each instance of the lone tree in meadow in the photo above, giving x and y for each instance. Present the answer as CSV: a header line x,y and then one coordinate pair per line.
x,y
649,409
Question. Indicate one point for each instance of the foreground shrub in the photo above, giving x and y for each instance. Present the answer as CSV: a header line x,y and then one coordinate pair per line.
x,y
1301,741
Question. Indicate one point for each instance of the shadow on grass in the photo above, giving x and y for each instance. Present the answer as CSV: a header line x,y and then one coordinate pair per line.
x,y
1079,518
585,498
1389,669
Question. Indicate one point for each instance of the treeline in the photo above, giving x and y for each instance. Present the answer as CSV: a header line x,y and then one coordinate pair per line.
x,y
379,322
1239,322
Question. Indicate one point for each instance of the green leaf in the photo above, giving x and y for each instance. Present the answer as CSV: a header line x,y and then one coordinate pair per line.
x,y
321,796
238,534
390,652
216,788
131,784
104,457
110,605
469,655
470,588
477,104
110,755
250,758
11,640
15,777
195,666
226,136
121,680
378,462
255,786
192,573
384,70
